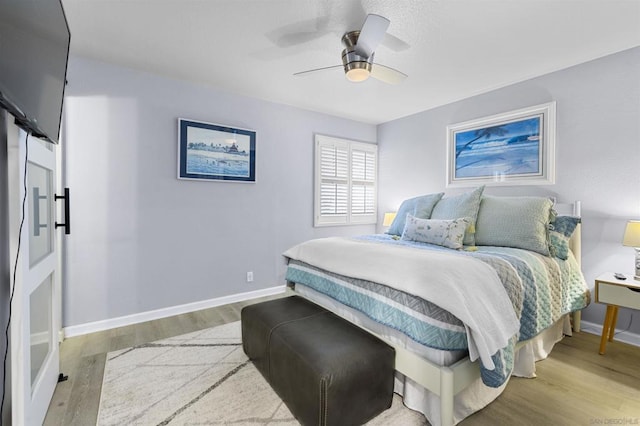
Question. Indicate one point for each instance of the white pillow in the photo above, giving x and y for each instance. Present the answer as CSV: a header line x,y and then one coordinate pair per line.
x,y
446,233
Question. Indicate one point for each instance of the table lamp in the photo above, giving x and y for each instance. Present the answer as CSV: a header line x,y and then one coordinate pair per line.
x,y
632,239
388,218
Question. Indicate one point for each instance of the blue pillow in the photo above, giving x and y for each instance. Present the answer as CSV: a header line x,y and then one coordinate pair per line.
x,y
419,207
560,232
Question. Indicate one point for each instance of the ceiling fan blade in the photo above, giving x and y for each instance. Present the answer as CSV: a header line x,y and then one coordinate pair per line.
x,y
386,74
371,34
313,71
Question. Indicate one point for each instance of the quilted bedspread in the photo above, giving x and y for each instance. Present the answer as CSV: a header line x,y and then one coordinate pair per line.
x,y
541,289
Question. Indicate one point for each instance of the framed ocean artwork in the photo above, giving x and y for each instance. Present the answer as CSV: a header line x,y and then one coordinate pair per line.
x,y
215,152
514,148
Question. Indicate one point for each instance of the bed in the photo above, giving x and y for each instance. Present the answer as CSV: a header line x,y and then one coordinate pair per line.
x,y
462,315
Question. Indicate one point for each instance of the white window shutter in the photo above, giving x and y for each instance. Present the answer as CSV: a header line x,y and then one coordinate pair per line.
x,y
334,199
345,182
363,184
334,161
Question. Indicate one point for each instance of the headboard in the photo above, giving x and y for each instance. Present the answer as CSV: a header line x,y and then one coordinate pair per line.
x,y
575,243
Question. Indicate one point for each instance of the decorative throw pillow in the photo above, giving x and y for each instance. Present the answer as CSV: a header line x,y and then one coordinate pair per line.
x,y
463,205
560,232
446,233
520,222
420,207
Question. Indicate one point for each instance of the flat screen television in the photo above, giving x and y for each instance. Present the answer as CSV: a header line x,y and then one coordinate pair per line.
x,y
34,49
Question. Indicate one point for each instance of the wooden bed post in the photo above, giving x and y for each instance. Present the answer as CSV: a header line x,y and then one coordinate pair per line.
x,y
575,244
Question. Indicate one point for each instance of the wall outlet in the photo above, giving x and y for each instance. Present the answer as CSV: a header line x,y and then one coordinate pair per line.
x,y
249,276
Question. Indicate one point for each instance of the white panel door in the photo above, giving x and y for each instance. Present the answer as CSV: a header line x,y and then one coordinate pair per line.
x,y
35,316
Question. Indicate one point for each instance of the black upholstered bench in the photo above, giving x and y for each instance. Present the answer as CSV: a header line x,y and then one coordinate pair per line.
x,y
326,370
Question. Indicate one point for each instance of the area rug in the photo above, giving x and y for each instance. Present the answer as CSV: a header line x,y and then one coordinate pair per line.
x,y
200,378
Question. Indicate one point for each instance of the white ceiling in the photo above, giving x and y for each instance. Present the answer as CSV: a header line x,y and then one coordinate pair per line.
x,y
457,48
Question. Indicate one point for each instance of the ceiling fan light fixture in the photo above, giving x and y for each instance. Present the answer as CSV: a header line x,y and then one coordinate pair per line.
x,y
356,67
357,57
357,75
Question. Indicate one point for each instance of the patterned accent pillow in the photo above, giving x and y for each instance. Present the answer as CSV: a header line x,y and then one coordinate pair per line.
x,y
420,207
520,222
560,232
463,205
446,233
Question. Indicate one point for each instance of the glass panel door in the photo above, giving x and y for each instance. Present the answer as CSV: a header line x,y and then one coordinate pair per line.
x,y
40,325
41,233
36,309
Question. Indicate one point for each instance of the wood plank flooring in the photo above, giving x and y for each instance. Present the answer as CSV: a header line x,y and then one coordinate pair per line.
x,y
575,385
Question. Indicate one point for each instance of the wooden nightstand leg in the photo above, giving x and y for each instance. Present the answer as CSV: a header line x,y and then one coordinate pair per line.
x,y
614,321
606,328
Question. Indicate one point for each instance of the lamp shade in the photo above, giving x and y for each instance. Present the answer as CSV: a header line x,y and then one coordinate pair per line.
x,y
388,218
632,234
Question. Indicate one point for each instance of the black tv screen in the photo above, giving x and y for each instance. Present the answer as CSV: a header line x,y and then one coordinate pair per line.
x,y
34,48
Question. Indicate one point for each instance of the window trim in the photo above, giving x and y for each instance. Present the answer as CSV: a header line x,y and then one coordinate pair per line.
x,y
348,218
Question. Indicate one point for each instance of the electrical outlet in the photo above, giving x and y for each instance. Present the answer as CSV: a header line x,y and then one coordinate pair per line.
x,y
249,276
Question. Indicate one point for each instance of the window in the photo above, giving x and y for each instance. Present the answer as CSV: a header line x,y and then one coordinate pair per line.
x,y
345,182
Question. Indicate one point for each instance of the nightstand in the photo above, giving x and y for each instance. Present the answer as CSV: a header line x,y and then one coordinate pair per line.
x,y
614,293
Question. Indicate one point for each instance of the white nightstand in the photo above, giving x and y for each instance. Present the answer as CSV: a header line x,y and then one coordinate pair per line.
x,y
614,293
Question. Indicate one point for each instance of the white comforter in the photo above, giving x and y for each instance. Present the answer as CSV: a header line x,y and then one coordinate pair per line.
x,y
467,287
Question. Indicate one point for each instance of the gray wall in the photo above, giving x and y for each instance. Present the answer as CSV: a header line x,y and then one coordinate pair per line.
x,y
597,154
142,239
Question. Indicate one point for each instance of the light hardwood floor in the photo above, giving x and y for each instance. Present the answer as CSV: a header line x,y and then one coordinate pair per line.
x,y
575,385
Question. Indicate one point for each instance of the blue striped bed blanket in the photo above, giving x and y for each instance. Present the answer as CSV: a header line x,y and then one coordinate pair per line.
x,y
541,290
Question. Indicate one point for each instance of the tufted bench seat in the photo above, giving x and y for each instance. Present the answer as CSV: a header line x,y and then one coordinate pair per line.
x,y
326,370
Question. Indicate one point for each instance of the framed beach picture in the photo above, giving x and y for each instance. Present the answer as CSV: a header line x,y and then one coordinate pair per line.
x,y
215,152
514,148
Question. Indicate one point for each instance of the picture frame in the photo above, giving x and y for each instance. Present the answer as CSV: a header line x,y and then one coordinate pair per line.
x,y
215,152
513,148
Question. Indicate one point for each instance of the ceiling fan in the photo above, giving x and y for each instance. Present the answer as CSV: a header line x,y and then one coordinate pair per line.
x,y
357,57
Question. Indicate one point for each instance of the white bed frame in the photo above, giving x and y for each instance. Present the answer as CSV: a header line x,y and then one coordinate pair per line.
x,y
446,382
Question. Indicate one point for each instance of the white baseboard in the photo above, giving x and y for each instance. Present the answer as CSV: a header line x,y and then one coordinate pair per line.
x,y
92,327
619,335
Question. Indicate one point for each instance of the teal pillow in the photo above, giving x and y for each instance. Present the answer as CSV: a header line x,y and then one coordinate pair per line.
x,y
419,207
560,232
463,205
520,222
